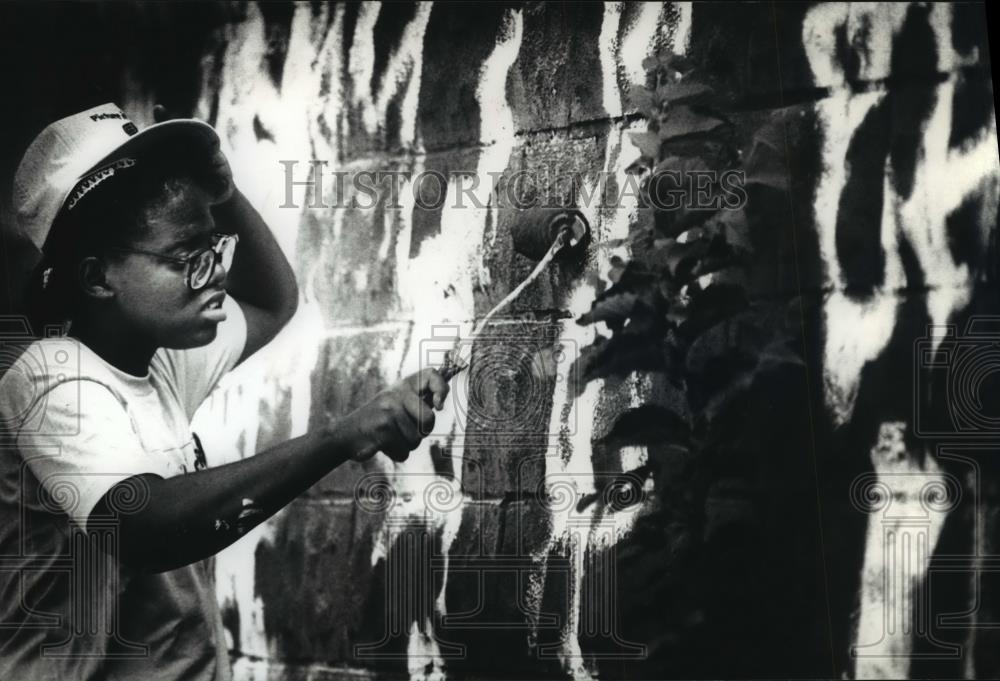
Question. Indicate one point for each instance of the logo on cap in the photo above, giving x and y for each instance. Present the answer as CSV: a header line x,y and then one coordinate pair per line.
x,y
91,181
105,115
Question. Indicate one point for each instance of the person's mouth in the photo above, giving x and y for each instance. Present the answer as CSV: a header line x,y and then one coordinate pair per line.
x,y
212,308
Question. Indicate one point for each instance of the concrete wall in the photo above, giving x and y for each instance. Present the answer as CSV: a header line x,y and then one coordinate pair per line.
x,y
807,551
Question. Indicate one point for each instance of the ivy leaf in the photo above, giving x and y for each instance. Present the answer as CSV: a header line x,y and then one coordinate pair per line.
x,y
662,421
641,166
688,217
673,292
714,153
681,165
620,355
639,239
695,233
731,226
644,100
680,258
647,142
631,295
626,353
719,271
645,220
677,313
673,223
677,63
615,309
677,93
683,121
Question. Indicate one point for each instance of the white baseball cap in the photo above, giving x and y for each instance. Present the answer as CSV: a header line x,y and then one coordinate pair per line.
x,y
70,150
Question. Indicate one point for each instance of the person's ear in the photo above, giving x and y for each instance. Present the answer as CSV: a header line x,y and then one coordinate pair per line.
x,y
93,278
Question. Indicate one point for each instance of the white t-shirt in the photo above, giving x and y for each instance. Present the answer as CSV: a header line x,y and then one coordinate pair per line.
x,y
71,427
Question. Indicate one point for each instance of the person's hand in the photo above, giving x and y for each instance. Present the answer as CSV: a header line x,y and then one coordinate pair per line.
x,y
398,418
218,173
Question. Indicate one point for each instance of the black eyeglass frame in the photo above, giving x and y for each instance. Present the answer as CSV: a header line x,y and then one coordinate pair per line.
x,y
217,249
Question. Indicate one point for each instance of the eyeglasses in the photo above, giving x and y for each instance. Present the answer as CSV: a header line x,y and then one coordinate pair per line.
x,y
200,265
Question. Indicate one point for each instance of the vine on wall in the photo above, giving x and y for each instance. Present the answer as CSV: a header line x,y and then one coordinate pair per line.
x,y
684,307
681,304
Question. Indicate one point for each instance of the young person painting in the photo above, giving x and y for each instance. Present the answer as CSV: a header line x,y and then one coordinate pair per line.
x,y
164,278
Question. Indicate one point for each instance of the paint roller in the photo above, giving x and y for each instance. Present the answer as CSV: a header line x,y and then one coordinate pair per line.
x,y
540,234
538,230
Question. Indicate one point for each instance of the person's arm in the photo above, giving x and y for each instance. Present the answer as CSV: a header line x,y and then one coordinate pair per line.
x,y
261,279
191,517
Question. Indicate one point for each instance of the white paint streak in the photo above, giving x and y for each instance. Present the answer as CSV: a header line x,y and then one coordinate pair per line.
x,y
283,369
607,46
912,503
682,29
849,344
900,540
328,108
569,474
639,42
497,127
403,70
383,248
233,410
944,178
421,651
569,469
361,62
406,66
436,287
